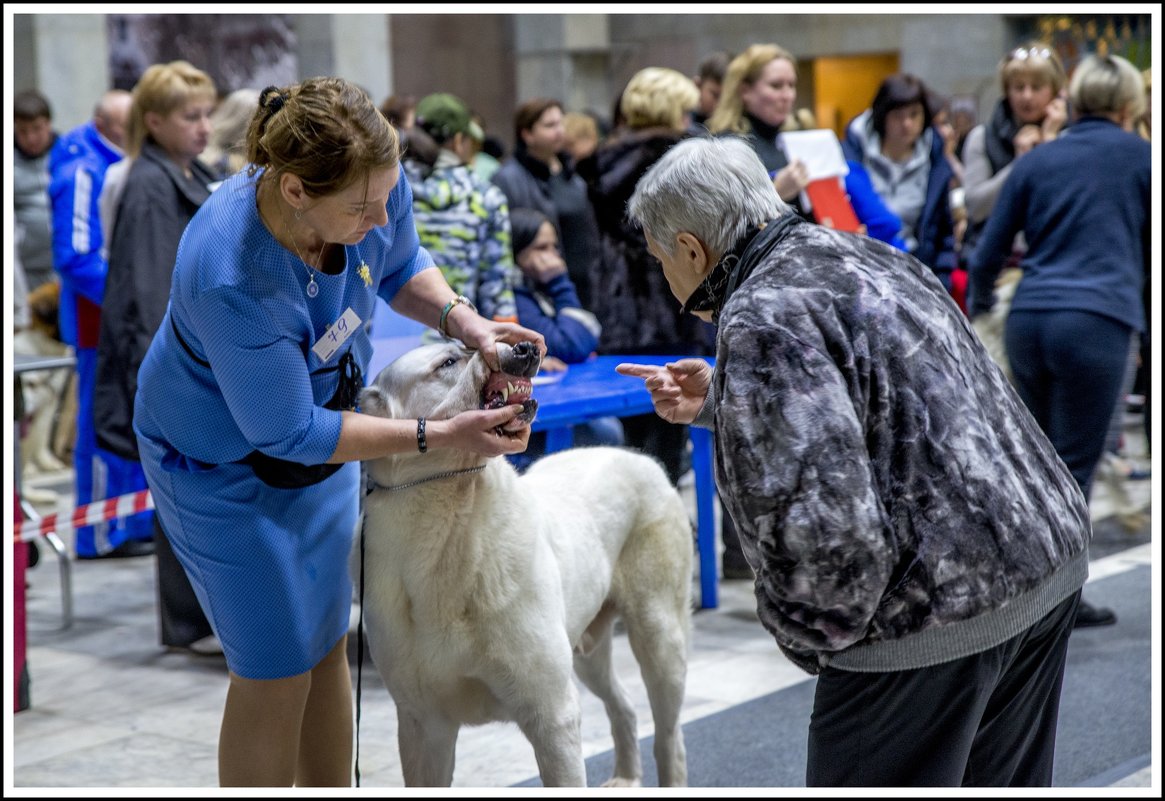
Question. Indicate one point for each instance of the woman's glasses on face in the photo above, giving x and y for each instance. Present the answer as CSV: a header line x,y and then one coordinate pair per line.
x,y
1024,53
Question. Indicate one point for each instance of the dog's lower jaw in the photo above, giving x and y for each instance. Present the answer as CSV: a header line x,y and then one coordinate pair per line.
x,y
523,419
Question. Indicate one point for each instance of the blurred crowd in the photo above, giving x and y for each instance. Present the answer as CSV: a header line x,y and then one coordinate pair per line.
x,y
538,235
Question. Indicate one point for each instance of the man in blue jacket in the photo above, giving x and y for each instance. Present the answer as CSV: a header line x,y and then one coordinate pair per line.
x,y
77,165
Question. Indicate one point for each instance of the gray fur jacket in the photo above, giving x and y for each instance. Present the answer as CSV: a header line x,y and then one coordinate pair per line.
x,y
900,506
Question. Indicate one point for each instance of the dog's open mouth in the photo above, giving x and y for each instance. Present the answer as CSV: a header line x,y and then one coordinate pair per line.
x,y
503,389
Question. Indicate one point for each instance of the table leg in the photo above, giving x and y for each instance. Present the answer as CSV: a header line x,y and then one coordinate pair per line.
x,y
705,514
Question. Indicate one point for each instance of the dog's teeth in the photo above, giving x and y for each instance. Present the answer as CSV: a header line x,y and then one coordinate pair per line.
x,y
510,387
506,394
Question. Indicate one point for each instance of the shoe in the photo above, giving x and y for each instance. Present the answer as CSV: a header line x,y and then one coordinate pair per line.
x,y
1088,615
1137,474
126,550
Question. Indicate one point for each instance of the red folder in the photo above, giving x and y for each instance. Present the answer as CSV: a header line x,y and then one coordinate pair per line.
x,y
831,206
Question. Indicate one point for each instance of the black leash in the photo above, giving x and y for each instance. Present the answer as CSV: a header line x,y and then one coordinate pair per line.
x,y
359,650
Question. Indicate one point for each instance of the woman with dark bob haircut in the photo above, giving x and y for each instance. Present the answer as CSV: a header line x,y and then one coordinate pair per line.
x,y
896,144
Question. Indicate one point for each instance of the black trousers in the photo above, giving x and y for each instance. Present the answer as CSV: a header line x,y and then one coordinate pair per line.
x,y
180,616
987,720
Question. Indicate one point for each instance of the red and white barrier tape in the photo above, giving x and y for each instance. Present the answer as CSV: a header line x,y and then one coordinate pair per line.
x,y
87,515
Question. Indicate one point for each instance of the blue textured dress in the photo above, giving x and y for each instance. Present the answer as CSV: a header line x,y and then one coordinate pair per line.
x,y
233,369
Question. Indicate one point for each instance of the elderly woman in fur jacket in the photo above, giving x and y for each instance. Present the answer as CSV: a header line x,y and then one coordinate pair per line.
x,y
916,540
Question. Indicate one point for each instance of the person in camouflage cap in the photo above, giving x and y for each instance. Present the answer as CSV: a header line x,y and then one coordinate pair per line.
x,y
461,220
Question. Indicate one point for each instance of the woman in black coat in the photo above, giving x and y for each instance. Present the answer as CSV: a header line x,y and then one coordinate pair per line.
x,y
164,187
633,303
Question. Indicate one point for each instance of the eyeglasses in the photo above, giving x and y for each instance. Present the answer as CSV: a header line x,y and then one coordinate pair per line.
x,y
1024,53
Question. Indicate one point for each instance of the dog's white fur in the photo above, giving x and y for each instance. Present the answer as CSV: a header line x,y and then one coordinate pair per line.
x,y
482,590
50,400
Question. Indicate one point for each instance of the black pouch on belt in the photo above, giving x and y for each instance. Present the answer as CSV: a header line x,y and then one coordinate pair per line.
x,y
284,474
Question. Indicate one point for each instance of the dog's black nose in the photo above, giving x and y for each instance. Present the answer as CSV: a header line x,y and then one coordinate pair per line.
x,y
521,359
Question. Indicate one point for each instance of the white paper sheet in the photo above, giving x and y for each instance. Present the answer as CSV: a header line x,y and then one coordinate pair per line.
x,y
818,149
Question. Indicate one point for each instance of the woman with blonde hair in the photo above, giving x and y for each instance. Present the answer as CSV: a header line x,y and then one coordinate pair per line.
x,y
1031,111
169,127
580,135
756,101
637,312
226,152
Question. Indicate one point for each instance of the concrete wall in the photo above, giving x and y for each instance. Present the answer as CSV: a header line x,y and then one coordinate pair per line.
x,y
954,53
72,77
469,55
356,47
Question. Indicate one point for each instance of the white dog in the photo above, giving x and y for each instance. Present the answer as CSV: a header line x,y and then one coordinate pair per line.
x,y
482,587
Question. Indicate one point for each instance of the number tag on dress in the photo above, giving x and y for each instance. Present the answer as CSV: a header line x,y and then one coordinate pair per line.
x,y
331,341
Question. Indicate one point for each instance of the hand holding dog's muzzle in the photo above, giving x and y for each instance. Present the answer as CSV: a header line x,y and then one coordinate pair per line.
x,y
488,432
482,334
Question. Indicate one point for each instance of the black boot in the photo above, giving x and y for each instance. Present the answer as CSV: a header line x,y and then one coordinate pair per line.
x,y
1089,615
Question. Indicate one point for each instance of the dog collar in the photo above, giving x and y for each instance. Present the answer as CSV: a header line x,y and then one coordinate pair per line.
x,y
373,485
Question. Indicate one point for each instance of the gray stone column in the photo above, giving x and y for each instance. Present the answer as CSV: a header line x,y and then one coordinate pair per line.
x,y
66,57
350,46
565,56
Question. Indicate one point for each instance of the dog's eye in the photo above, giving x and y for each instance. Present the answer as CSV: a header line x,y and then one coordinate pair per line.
x,y
452,360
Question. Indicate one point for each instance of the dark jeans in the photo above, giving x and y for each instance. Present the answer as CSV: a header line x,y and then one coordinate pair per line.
x,y
1068,368
987,720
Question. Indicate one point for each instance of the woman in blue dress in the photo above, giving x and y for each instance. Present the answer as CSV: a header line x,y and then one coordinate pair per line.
x,y
252,376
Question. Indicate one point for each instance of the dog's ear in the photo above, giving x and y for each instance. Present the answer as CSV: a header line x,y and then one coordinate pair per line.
x,y
372,400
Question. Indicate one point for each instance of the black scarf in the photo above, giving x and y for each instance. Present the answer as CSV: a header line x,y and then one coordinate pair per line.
x,y
540,169
736,265
762,128
998,137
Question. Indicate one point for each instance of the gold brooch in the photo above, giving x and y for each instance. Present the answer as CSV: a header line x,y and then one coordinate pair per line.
x,y
365,273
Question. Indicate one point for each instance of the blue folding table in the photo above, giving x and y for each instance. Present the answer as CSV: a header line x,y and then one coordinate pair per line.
x,y
593,389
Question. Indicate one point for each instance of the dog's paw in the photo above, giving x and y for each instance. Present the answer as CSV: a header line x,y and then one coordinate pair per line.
x,y
619,781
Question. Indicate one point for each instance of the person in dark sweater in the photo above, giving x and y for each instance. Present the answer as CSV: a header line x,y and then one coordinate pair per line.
x,y
917,542
541,175
1079,303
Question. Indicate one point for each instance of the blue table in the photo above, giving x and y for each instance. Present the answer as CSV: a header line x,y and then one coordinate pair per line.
x,y
593,389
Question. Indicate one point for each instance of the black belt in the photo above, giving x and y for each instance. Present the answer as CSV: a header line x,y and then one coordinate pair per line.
x,y
281,473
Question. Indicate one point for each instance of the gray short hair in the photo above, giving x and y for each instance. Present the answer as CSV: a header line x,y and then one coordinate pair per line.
x,y
1106,85
712,187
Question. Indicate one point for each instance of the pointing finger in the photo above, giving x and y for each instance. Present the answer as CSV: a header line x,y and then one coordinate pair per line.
x,y
636,370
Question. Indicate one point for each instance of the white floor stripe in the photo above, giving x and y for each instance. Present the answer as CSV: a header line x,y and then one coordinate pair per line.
x,y
1120,562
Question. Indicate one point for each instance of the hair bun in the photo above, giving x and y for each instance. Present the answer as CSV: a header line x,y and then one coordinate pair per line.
x,y
273,98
